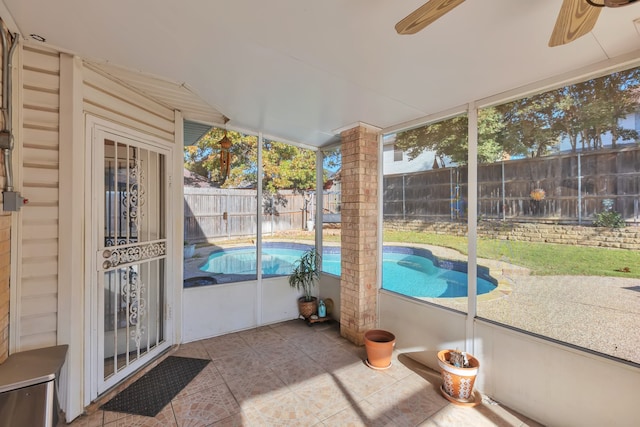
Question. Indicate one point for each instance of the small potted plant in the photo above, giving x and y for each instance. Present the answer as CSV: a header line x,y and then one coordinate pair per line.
x,y
459,370
304,276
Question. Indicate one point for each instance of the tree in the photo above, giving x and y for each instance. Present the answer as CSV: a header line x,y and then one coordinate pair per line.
x,y
618,96
587,110
288,167
528,125
583,112
284,166
448,138
204,158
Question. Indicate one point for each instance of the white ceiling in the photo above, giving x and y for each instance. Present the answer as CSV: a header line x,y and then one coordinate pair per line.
x,y
300,69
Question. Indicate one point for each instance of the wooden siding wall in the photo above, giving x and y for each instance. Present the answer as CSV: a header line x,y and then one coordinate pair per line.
x,y
38,254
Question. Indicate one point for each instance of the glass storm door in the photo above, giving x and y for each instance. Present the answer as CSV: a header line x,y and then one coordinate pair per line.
x,y
130,209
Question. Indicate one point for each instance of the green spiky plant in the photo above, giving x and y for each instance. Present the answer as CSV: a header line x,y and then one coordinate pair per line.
x,y
305,273
609,219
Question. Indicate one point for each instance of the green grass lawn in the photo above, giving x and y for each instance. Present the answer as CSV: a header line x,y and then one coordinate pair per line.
x,y
540,258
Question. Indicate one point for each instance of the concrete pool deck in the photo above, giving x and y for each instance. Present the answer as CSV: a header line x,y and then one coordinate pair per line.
x,y
597,313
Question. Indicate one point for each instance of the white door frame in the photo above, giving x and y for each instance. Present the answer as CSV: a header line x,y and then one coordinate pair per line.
x,y
95,127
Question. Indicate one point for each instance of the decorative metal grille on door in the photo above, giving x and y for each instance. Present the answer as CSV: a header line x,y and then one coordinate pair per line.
x,y
131,261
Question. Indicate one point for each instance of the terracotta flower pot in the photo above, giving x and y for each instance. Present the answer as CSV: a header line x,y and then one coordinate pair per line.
x,y
457,383
307,308
379,346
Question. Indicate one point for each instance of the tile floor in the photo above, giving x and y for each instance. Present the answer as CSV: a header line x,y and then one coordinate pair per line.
x,y
290,374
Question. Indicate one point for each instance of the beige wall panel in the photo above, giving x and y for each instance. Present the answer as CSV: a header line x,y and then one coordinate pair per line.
x,y
39,286
36,79
40,267
39,248
113,101
40,137
45,339
38,98
40,231
32,213
128,111
126,121
35,176
40,156
41,118
41,195
39,305
96,81
33,325
98,97
41,58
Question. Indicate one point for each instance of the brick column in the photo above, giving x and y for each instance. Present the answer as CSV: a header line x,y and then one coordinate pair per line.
x,y
359,237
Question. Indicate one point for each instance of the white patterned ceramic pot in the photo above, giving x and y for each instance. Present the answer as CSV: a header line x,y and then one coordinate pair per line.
x,y
458,382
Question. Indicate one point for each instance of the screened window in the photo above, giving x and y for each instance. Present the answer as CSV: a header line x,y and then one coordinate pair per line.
x,y
558,196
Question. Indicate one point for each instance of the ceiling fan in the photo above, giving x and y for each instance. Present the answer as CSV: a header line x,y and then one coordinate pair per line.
x,y
576,17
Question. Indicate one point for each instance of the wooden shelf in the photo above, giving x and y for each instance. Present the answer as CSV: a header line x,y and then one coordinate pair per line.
x,y
311,321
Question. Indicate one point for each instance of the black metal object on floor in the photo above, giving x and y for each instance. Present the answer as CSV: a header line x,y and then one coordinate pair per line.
x,y
153,391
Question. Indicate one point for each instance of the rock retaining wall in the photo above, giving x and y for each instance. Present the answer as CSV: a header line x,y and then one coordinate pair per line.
x,y
621,238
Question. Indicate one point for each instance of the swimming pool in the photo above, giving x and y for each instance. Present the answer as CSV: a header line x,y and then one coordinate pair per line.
x,y
409,271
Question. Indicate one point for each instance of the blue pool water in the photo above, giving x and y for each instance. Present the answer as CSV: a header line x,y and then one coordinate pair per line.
x,y
276,260
408,271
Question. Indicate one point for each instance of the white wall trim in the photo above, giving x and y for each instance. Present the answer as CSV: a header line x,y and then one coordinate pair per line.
x,y
89,346
259,217
16,217
71,233
472,225
372,128
176,189
317,215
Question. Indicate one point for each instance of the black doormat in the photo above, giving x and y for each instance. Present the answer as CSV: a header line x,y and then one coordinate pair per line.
x,y
149,394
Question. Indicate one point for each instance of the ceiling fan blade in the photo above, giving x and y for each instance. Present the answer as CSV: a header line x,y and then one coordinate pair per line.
x,y
425,15
576,18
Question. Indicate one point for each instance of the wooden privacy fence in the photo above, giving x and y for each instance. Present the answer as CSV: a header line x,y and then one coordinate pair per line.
x,y
575,186
216,213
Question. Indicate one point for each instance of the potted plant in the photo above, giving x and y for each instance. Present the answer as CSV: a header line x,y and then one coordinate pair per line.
x,y
459,370
379,345
303,277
